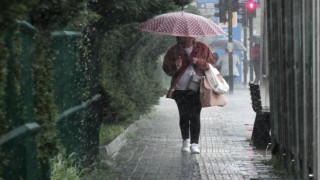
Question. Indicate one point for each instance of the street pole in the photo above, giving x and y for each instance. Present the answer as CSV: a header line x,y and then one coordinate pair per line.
x,y
230,46
250,15
245,55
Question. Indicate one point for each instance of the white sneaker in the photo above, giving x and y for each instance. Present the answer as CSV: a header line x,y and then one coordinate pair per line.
x,y
195,148
185,145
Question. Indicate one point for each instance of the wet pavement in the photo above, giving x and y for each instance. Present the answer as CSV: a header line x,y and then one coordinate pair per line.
x,y
153,150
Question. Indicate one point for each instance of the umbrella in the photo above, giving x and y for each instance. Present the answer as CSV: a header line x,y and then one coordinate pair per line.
x,y
222,43
181,24
255,38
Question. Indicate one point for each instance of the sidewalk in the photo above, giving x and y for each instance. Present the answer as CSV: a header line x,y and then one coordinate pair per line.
x,y
153,151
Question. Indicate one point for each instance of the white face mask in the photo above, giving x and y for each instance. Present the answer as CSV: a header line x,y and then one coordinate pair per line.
x,y
188,50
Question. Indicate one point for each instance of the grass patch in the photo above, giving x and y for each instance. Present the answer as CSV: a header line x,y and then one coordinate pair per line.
x,y
109,132
64,168
98,170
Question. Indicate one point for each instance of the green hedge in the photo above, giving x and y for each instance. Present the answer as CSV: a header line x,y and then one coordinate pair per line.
x,y
129,71
10,12
128,67
45,109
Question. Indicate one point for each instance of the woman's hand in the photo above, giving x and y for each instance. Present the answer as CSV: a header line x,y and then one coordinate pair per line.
x,y
194,60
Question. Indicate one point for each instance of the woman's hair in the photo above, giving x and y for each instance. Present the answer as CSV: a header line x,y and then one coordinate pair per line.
x,y
179,40
179,50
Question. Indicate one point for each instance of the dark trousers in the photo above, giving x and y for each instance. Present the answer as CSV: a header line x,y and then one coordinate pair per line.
x,y
189,107
256,67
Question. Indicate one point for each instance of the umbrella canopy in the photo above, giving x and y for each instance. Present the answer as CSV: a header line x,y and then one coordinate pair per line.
x,y
222,43
181,24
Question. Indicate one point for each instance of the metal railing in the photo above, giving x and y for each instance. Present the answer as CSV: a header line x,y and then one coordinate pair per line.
x,y
20,132
77,108
19,144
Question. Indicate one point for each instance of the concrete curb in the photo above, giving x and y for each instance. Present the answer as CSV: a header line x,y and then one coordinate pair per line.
x,y
118,142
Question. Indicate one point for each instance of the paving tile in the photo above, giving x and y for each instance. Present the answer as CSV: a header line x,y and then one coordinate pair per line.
x,y
154,152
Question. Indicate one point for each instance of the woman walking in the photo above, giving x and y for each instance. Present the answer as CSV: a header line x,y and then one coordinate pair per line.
x,y
182,61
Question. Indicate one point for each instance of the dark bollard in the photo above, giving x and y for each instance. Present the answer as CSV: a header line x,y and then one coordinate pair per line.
x,y
261,129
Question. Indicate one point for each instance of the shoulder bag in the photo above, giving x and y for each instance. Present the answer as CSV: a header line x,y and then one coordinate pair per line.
x,y
208,97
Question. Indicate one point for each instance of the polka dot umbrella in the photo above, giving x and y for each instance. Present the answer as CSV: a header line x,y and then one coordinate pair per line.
x,y
181,24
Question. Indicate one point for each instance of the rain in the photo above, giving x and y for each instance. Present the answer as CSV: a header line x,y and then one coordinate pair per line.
x,y
162,89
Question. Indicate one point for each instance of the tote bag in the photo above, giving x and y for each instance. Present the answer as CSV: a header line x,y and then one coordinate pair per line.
x,y
208,97
218,84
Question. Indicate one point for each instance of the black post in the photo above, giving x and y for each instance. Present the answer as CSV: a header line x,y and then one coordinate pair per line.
x,y
250,16
230,48
245,56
